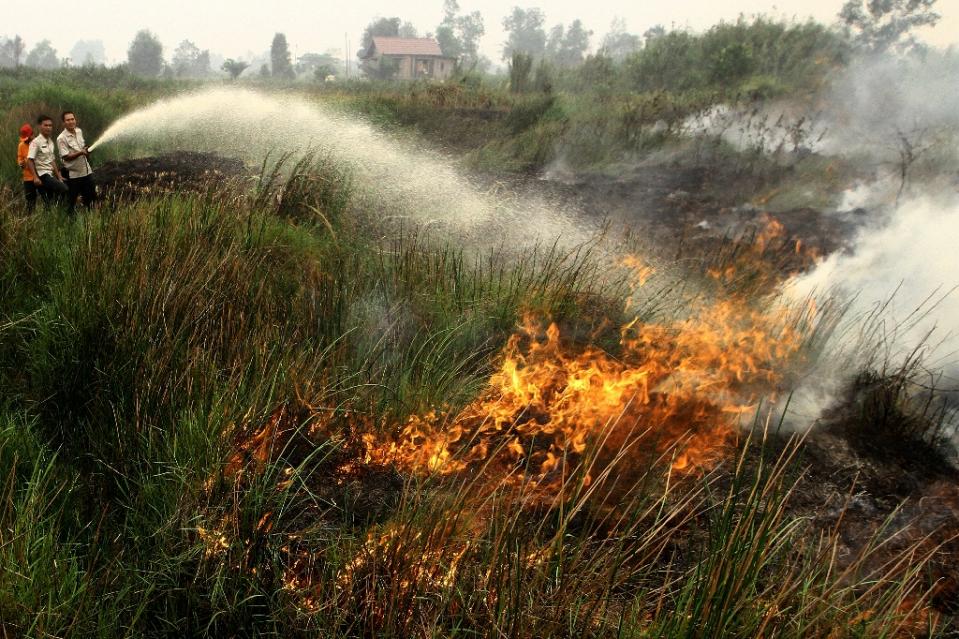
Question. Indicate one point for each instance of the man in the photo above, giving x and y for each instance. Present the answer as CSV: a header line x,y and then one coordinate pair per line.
x,y
76,162
23,149
42,160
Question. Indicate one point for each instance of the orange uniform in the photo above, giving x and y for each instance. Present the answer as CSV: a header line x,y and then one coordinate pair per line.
x,y
22,149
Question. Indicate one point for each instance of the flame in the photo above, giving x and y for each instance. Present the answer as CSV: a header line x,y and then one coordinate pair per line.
x,y
641,271
683,385
770,256
772,230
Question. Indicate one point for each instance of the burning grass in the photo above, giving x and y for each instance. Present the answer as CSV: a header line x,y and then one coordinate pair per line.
x,y
680,386
267,426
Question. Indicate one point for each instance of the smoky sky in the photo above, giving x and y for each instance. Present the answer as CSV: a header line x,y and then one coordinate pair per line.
x,y
242,28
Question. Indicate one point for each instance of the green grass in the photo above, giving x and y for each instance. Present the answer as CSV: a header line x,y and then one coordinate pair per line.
x,y
184,382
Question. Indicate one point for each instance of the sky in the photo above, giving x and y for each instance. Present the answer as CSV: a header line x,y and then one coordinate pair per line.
x,y
239,28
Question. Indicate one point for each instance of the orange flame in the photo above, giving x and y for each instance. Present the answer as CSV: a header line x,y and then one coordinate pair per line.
x,y
682,384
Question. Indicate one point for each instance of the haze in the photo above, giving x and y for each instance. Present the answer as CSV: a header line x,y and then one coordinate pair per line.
x,y
244,28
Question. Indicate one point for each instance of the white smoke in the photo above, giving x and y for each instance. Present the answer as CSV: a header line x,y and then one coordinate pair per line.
x,y
896,120
899,284
873,102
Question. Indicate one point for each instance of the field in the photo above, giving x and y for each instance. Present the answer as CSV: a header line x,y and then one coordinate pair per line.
x,y
270,400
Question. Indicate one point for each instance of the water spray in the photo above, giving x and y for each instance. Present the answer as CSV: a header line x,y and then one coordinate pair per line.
x,y
398,178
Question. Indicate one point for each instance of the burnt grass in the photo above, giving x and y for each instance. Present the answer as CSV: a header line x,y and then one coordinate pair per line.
x,y
180,172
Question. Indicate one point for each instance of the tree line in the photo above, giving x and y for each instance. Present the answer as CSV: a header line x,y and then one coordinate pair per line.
x,y
529,48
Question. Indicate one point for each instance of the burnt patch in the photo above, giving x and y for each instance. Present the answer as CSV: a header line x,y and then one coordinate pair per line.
x,y
171,173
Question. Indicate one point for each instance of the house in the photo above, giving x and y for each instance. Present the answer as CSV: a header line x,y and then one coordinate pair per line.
x,y
413,58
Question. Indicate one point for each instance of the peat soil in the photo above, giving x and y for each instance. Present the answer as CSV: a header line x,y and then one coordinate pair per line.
x,y
680,206
180,172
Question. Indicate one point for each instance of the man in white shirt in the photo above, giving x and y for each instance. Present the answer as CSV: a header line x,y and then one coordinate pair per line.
x,y
42,159
76,162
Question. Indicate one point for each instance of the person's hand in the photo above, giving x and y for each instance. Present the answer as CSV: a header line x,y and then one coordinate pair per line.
x,y
86,151
37,181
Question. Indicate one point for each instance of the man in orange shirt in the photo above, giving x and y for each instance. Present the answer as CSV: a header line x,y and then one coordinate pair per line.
x,y
29,188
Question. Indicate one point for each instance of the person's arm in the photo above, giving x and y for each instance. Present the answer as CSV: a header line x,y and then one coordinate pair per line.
x,y
27,167
33,169
65,153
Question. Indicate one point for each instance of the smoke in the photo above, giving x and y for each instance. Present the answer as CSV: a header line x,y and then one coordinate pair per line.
x,y
870,110
874,102
896,120
898,284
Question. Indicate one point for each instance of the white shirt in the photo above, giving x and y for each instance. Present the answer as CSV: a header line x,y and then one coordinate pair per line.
x,y
71,143
42,153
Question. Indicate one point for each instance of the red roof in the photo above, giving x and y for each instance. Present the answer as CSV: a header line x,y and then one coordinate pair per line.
x,y
406,46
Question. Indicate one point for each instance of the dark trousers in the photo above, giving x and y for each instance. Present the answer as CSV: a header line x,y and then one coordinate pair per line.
x,y
30,194
53,190
81,187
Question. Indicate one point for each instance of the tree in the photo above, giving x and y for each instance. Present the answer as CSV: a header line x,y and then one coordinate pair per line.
x,y
519,69
319,65
280,58
554,42
88,53
380,27
526,34
618,44
11,51
654,33
458,36
407,30
145,55
43,56
471,29
235,67
449,41
880,25
567,47
189,62
575,44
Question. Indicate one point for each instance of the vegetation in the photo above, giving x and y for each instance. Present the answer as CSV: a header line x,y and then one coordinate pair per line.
x,y
145,56
608,109
205,394
184,378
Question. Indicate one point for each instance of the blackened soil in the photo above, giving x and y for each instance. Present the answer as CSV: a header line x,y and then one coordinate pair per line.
x,y
680,207
180,172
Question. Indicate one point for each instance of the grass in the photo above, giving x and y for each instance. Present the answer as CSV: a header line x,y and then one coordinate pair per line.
x,y
183,377
190,380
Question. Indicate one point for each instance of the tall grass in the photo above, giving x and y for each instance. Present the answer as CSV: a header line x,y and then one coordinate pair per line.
x,y
183,379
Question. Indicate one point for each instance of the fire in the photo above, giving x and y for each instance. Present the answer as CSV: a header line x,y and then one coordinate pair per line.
x,y
674,388
772,230
765,258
